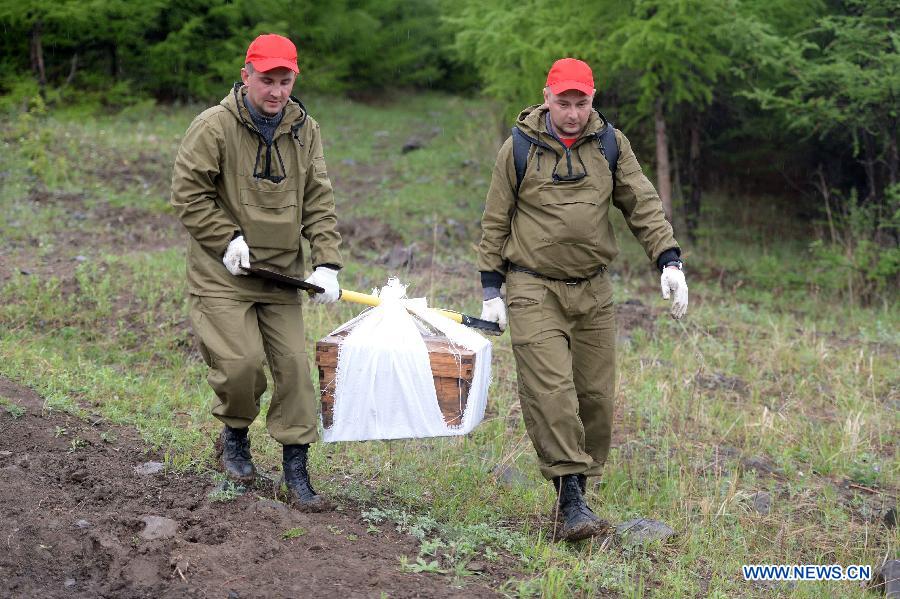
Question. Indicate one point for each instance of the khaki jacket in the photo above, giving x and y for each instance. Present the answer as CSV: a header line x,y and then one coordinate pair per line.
x,y
561,228
218,190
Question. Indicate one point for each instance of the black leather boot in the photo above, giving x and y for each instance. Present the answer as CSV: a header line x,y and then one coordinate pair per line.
x,y
577,519
233,450
296,477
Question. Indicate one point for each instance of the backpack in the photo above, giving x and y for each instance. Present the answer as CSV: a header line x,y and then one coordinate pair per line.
x,y
606,143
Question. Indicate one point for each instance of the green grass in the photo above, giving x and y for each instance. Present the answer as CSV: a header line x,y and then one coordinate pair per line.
x,y
293,533
770,363
11,408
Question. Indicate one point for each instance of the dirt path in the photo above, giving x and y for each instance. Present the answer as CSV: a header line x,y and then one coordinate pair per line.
x,y
74,523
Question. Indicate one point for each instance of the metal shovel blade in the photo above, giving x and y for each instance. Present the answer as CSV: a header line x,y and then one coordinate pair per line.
x,y
265,273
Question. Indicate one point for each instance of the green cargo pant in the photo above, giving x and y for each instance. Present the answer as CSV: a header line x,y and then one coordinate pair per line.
x,y
235,337
564,339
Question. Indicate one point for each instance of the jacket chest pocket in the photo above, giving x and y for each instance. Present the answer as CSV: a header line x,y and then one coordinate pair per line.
x,y
573,212
271,218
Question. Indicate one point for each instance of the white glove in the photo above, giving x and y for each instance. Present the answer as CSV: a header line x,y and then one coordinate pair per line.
x,y
326,278
236,256
494,310
672,280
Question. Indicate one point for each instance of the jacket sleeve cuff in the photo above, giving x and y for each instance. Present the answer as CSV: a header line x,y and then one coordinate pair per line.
x,y
491,278
667,256
490,293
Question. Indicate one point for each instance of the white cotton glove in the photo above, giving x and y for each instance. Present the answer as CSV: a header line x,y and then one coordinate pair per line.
x,y
326,278
672,281
236,256
494,310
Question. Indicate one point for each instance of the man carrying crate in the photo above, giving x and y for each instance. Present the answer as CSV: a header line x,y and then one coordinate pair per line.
x,y
248,181
546,232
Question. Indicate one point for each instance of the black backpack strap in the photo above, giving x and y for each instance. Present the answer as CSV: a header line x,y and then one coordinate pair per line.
x,y
609,145
521,147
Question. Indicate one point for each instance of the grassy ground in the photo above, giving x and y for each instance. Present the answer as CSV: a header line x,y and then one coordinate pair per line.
x,y
771,383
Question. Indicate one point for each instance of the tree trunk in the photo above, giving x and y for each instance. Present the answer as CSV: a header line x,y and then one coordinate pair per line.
x,y
37,53
675,167
663,170
870,158
893,159
113,62
72,69
693,200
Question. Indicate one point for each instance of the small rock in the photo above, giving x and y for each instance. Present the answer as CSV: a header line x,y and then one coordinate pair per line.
x,y
315,548
411,144
82,524
79,475
157,527
889,576
762,502
475,567
80,258
641,531
890,518
148,468
5,454
232,594
69,583
24,271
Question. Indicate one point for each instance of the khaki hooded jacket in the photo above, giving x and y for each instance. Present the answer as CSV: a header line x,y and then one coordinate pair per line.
x,y
559,224
228,182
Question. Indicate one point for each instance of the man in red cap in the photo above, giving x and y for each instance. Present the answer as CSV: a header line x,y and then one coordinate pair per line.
x,y
546,233
248,181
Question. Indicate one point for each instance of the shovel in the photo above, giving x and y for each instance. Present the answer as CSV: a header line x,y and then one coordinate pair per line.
x,y
491,328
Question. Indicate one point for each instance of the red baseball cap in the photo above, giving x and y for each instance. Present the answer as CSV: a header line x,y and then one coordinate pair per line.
x,y
271,51
570,73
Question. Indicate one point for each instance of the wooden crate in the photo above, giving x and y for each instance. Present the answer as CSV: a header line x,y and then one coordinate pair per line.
x,y
452,368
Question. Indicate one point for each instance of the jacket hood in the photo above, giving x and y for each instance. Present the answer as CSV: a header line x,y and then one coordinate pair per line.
x,y
294,111
532,121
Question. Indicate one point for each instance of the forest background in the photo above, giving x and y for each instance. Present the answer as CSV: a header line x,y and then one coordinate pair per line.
x,y
747,95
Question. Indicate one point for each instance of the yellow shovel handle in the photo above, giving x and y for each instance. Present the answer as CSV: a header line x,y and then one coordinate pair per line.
x,y
371,300
359,298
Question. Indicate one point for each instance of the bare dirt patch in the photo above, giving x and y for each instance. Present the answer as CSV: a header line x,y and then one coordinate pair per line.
x,y
86,232
77,519
634,314
368,234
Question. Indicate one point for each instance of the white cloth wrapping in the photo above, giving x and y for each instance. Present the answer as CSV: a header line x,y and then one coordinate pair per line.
x,y
384,387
